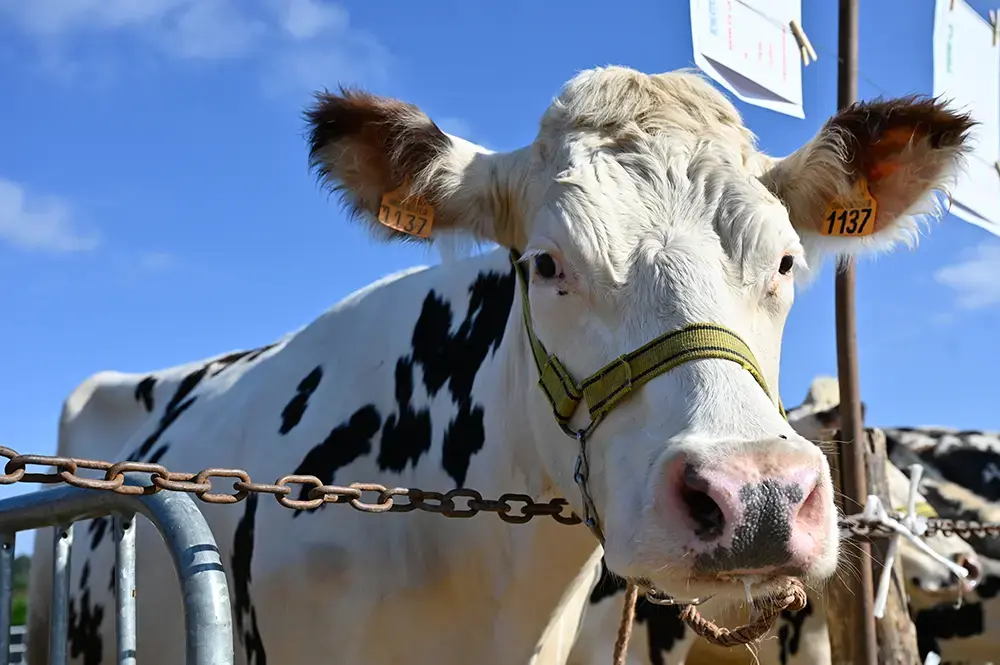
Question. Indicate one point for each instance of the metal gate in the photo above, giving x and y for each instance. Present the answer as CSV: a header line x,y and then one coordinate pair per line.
x,y
197,562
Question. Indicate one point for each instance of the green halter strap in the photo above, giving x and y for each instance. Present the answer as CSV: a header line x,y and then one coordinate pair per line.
x,y
608,386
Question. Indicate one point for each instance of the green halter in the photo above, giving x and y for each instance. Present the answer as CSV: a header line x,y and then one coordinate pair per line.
x,y
608,386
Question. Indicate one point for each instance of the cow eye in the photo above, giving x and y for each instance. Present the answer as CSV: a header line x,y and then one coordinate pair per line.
x,y
545,266
787,262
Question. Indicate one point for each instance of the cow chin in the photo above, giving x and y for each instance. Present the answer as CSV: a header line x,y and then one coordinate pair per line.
x,y
684,582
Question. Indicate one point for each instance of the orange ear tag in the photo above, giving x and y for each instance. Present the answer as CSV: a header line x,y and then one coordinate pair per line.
x,y
412,215
852,217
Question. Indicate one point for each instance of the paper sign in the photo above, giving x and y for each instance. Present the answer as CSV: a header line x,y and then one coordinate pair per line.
x,y
748,47
854,217
408,214
967,71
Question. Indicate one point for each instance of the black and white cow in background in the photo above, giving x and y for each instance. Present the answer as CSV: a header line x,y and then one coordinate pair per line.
x,y
641,206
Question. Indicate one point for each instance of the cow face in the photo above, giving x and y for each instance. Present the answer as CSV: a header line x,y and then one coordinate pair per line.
x,y
641,206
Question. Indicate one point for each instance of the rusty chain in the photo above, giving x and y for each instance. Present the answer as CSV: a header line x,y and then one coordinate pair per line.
x,y
447,503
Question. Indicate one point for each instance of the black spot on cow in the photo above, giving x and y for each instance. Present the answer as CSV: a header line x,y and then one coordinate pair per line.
x,y
903,456
664,626
988,587
965,467
406,434
84,575
97,529
84,631
463,438
453,359
158,454
946,622
144,392
608,584
444,359
225,362
254,355
220,365
178,404
790,633
345,443
242,557
292,414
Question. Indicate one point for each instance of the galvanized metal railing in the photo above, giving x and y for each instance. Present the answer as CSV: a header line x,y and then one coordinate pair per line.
x,y
186,534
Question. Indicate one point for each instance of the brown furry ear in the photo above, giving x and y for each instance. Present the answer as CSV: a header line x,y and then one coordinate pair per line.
x,y
365,146
903,149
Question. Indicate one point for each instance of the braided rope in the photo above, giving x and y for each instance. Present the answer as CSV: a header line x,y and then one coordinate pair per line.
x,y
792,596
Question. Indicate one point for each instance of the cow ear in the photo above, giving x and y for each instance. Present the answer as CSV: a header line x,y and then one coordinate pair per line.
x,y
885,155
385,157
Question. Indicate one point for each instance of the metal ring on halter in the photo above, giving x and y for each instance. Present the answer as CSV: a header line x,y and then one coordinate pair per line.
x,y
659,598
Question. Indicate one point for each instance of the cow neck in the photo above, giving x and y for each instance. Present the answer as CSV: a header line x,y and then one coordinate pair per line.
x,y
610,385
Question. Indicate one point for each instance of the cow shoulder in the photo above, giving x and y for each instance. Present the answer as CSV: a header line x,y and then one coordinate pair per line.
x,y
107,408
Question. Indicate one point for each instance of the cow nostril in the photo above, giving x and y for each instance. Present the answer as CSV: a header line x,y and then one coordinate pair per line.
x,y
701,508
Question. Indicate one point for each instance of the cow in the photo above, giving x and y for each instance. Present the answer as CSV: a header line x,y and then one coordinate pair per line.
x,y
640,231
966,633
801,637
968,458
944,486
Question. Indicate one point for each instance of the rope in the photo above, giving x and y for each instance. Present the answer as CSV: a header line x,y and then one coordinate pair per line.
x,y
625,628
790,597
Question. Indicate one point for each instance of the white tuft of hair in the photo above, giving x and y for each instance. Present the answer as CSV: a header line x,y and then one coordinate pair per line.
x,y
824,393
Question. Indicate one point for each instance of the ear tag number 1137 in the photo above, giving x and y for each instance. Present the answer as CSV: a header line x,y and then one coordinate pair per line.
x,y
412,215
852,217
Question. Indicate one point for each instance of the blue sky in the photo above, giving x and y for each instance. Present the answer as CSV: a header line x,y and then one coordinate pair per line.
x,y
156,207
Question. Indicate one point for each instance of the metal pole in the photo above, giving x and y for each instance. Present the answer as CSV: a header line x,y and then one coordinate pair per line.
x,y
125,628
62,550
6,592
852,450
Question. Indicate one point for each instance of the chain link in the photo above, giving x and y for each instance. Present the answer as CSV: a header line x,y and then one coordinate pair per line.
x,y
460,502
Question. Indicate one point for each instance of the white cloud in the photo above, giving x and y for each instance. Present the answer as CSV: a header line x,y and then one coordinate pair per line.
x,y
305,19
976,279
42,224
296,42
52,18
208,30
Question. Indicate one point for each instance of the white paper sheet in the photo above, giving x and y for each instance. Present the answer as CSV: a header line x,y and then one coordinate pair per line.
x,y
967,71
748,47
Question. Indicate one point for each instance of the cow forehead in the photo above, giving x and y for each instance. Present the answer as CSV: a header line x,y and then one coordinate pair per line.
x,y
658,206
622,102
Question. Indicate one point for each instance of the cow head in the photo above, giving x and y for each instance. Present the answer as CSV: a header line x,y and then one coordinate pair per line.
x,y
818,417
643,206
